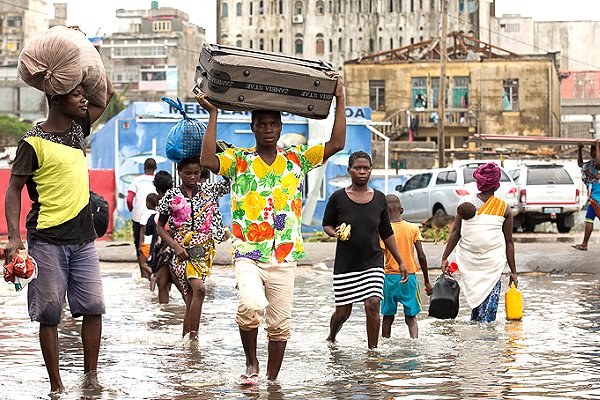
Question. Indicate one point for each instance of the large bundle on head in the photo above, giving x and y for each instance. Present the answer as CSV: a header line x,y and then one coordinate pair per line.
x,y
185,138
61,58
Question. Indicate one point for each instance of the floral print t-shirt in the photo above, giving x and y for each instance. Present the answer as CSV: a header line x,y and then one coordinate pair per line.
x,y
200,214
266,200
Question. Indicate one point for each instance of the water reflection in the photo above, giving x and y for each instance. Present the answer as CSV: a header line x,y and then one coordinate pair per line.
x,y
554,351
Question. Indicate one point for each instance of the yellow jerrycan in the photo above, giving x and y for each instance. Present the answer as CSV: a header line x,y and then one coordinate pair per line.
x,y
513,303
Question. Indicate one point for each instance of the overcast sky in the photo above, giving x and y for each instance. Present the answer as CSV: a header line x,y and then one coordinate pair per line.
x,y
100,18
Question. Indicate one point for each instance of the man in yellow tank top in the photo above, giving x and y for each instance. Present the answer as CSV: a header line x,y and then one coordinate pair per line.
x,y
51,162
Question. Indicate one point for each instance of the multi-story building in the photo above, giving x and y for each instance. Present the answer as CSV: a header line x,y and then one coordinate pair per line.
x,y
579,64
488,90
20,20
569,38
60,15
154,53
580,104
340,30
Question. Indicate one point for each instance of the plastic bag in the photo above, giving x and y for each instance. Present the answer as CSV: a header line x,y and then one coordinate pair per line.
x,y
185,138
21,270
443,303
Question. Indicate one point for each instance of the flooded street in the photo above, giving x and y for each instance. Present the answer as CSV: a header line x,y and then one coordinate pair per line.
x,y
554,352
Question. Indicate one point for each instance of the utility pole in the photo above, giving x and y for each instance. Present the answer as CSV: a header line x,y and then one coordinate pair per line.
x,y
442,89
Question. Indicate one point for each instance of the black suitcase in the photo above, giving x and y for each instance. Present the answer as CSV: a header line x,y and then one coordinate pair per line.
x,y
443,303
239,79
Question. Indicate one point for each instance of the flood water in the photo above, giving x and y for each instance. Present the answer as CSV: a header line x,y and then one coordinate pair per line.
x,y
554,352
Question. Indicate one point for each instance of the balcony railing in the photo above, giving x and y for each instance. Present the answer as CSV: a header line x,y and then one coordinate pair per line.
x,y
401,120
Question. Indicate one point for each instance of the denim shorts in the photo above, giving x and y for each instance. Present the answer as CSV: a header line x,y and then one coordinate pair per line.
x,y
407,294
590,214
71,270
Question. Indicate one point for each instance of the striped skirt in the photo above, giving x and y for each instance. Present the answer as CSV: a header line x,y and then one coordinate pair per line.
x,y
353,287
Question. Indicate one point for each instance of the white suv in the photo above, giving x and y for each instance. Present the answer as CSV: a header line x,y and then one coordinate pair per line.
x,y
440,190
546,193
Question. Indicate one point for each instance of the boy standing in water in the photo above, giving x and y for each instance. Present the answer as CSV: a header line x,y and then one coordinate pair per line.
x,y
51,161
146,235
408,238
266,206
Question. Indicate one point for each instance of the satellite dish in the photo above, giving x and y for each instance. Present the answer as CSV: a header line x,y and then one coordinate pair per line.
x,y
141,158
340,159
292,139
340,181
153,109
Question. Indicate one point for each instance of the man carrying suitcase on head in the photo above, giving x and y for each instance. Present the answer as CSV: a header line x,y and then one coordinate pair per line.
x,y
266,206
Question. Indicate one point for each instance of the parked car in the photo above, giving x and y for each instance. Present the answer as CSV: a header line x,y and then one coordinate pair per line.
x,y
438,191
546,193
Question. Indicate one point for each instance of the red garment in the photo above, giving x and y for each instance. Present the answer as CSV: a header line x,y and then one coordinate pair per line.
x,y
21,266
130,196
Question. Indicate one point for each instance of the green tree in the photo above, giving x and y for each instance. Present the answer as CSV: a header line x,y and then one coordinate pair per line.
x,y
11,130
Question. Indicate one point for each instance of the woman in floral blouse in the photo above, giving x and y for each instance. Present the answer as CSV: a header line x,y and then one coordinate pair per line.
x,y
192,210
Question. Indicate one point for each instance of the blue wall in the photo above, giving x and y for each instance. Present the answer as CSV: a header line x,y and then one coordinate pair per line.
x,y
135,129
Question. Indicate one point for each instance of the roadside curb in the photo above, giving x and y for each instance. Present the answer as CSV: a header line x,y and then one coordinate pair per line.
x,y
553,256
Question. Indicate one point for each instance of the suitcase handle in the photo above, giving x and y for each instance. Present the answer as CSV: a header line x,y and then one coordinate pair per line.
x,y
215,49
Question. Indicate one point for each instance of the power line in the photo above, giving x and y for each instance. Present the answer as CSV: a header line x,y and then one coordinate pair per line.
x,y
519,41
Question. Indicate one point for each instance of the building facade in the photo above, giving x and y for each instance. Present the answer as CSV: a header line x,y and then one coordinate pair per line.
x,y
486,92
20,20
154,53
580,104
579,63
340,30
570,38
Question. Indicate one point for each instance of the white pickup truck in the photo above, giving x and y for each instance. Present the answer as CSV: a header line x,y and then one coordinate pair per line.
x,y
546,193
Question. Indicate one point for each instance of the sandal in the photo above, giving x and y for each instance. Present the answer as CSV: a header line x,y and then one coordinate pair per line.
x,y
579,247
248,380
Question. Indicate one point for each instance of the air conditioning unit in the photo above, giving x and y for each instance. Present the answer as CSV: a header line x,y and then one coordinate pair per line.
x,y
297,19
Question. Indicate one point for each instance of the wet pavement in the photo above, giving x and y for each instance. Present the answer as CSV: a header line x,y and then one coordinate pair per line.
x,y
553,353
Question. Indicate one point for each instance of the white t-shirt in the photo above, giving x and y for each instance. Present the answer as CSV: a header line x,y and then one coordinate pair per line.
x,y
144,220
142,186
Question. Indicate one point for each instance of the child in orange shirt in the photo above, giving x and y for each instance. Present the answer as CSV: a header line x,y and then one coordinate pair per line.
x,y
408,238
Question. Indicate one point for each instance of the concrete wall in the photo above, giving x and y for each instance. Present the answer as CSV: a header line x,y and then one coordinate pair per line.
x,y
571,38
513,33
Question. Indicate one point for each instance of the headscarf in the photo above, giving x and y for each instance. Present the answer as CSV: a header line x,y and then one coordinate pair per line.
x,y
487,177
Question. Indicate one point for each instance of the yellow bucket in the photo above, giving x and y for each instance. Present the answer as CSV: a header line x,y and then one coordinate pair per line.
x,y
514,303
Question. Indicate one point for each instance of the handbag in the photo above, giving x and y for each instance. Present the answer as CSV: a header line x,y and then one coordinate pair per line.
x,y
443,303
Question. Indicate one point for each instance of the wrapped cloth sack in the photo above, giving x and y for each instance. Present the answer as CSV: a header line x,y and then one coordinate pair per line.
x,y
21,270
184,140
59,59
